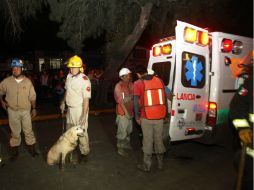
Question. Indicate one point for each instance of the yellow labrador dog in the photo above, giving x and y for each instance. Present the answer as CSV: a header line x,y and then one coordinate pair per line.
x,y
65,144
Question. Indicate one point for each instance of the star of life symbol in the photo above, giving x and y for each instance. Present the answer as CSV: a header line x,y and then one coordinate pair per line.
x,y
194,71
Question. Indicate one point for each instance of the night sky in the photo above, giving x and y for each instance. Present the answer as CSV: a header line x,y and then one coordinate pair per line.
x,y
40,34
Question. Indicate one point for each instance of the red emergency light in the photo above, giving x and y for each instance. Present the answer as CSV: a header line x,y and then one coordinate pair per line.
x,y
156,51
226,45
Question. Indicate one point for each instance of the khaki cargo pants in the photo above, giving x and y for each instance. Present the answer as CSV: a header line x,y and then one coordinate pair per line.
x,y
20,120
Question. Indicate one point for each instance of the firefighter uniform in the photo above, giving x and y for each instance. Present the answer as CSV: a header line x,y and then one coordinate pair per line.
x,y
78,88
123,94
150,111
241,114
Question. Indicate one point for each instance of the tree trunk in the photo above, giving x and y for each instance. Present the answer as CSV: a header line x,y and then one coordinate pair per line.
x,y
121,55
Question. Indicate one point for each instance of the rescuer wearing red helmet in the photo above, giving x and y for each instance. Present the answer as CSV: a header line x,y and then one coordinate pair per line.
x,y
77,95
150,109
20,103
123,94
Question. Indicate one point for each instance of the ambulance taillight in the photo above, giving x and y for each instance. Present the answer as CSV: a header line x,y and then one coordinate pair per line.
x,y
156,51
226,45
212,114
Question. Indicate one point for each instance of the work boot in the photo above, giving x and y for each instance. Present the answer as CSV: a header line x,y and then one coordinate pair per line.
x,y
122,152
32,150
14,153
160,161
82,158
120,147
146,165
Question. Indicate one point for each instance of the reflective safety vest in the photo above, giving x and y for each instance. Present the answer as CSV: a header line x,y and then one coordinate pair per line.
x,y
154,99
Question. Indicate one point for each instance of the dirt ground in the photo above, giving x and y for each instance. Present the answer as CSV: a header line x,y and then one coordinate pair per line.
x,y
188,165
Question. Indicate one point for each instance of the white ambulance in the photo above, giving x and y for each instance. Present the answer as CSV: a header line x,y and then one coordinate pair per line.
x,y
198,67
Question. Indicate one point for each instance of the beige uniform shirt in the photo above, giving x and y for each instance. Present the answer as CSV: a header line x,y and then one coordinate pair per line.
x,y
18,95
77,88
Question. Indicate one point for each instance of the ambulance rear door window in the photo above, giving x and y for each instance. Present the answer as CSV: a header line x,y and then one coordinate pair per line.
x,y
193,70
162,69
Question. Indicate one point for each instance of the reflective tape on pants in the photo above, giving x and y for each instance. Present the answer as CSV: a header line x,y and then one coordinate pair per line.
x,y
250,152
251,117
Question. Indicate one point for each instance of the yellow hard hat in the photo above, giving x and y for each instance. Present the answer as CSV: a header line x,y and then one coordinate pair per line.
x,y
75,61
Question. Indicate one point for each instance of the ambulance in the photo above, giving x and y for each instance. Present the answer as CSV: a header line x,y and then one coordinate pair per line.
x,y
199,68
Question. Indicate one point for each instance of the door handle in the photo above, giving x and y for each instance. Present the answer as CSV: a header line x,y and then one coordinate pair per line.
x,y
181,111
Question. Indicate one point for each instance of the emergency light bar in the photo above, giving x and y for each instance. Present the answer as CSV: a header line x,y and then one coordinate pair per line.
x,y
162,50
193,36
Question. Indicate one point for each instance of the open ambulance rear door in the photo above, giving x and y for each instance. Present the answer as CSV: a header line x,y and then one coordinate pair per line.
x,y
191,82
162,60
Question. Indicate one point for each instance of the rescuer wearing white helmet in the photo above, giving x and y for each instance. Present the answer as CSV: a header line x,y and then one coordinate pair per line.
x,y
77,95
20,104
123,94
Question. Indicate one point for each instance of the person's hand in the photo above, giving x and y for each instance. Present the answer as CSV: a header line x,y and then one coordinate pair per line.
x,y
128,116
138,121
245,135
62,107
33,113
82,120
4,104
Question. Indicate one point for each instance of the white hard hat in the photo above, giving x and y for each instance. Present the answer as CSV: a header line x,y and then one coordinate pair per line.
x,y
124,71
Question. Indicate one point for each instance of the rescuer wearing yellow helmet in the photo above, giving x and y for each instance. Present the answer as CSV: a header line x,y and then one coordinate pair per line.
x,y
77,95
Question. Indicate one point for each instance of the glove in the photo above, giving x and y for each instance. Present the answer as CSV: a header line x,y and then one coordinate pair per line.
x,y
62,106
245,136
